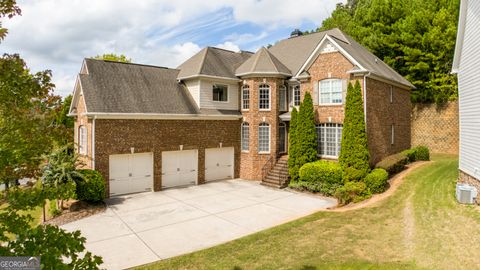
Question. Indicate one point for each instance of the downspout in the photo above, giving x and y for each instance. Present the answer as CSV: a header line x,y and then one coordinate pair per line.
x,y
365,97
93,142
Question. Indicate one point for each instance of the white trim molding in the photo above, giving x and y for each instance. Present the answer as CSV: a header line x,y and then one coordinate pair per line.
x,y
162,116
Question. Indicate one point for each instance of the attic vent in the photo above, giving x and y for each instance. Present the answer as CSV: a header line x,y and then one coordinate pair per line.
x,y
296,33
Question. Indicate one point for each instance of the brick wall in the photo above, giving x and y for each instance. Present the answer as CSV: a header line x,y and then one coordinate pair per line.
x,y
82,120
436,126
251,161
118,136
382,114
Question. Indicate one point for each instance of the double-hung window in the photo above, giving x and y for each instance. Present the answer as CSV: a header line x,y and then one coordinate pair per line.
x,y
245,97
82,140
220,92
329,139
283,98
330,91
245,136
296,95
264,138
264,97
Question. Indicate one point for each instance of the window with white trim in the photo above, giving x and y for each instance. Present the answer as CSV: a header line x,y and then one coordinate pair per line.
x,y
329,139
245,136
220,92
330,91
82,140
264,138
264,97
283,98
245,97
296,95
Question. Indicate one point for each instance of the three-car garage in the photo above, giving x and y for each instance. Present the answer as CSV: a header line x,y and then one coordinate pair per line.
x,y
131,173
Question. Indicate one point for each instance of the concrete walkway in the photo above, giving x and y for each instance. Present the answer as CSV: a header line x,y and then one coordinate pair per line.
x,y
142,228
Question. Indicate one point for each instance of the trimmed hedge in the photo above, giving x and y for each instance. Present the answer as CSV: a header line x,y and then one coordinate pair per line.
x,y
377,180
394,163
411,154
422,153
320,176
92,187
352,192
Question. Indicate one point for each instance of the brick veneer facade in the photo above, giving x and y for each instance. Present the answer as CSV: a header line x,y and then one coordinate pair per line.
x,y
118,136
382,114
83,120
251,161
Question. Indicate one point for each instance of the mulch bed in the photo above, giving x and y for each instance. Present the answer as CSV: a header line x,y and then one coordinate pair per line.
x,y
75,210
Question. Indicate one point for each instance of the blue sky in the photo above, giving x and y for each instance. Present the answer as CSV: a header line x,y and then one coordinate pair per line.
x,y
58,34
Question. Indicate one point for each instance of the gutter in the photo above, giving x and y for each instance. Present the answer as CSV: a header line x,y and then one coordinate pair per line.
x,y
93,143
365,97
163,116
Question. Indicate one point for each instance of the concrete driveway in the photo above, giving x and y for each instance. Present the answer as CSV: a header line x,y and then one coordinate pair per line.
x,y
142,228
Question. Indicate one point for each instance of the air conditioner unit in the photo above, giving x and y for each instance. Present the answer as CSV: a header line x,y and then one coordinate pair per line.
x,y
466,194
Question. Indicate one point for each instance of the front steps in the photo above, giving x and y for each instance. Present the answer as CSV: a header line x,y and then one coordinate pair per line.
x,y
278,176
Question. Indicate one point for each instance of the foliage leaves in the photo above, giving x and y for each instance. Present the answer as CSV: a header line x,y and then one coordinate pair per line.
x,y
113,57
8,8
354,156
292,146
415,37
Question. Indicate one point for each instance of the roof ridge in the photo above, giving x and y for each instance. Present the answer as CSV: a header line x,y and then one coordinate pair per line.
x,y
126,63
202,61
255,62
271,60
222,49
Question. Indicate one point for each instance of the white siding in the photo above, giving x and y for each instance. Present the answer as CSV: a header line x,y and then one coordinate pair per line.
x,y
206,96
193,87
469,93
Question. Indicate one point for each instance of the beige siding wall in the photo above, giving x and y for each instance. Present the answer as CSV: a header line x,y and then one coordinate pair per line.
x,y
193,87
206,95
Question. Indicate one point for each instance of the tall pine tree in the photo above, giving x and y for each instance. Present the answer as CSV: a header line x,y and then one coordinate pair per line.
x,y
354,155
306,133
292,146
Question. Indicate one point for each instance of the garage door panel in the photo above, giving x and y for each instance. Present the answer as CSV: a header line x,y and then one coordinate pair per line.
x,y
130,173
142,165
120,167
219,163
179,168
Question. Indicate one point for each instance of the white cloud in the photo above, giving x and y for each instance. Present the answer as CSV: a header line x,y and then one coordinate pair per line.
x,y
228,45
58,34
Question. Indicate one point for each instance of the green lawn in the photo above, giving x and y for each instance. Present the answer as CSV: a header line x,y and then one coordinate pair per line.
x,y
419,227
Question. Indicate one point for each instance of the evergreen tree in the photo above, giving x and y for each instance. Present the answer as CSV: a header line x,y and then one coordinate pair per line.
x,y
292,147
306,133
354,155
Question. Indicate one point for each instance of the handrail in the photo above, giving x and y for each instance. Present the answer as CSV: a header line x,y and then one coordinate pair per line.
x,y
268,167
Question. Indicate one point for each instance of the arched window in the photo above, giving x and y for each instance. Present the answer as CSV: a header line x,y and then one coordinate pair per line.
x,y
329,139
264,138
245,97
245,136
82,140
330,91
264,97
283,98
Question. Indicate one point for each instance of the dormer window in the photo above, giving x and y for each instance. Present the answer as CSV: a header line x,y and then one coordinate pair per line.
x,y
220,92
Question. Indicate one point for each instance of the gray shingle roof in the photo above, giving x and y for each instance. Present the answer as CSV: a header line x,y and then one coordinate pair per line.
x,y
263,62
212,61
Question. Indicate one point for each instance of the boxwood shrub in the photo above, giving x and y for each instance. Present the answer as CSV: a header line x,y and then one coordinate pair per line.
x,y
411,154
394,163
352,192
92,187
319,176
377,180
422,153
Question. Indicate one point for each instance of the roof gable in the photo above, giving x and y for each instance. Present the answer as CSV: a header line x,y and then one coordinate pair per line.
x,y
263,62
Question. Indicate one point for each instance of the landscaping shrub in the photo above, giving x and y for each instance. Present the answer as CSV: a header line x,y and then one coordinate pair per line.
x,y
377,180
320,176
352,192
394,163
292,147
306,133
92,187
354,151
411,154
352,174
422,153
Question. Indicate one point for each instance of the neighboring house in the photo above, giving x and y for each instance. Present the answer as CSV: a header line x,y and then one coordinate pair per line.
x,y
224,114
465,64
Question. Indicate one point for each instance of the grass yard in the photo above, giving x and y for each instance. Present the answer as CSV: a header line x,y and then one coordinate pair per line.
x,y
419,227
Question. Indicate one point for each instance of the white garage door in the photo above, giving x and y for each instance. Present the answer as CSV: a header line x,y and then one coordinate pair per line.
x,y
131,173
219,163
179,168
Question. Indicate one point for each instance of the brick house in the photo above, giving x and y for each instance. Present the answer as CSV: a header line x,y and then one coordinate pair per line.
x,y
224,114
